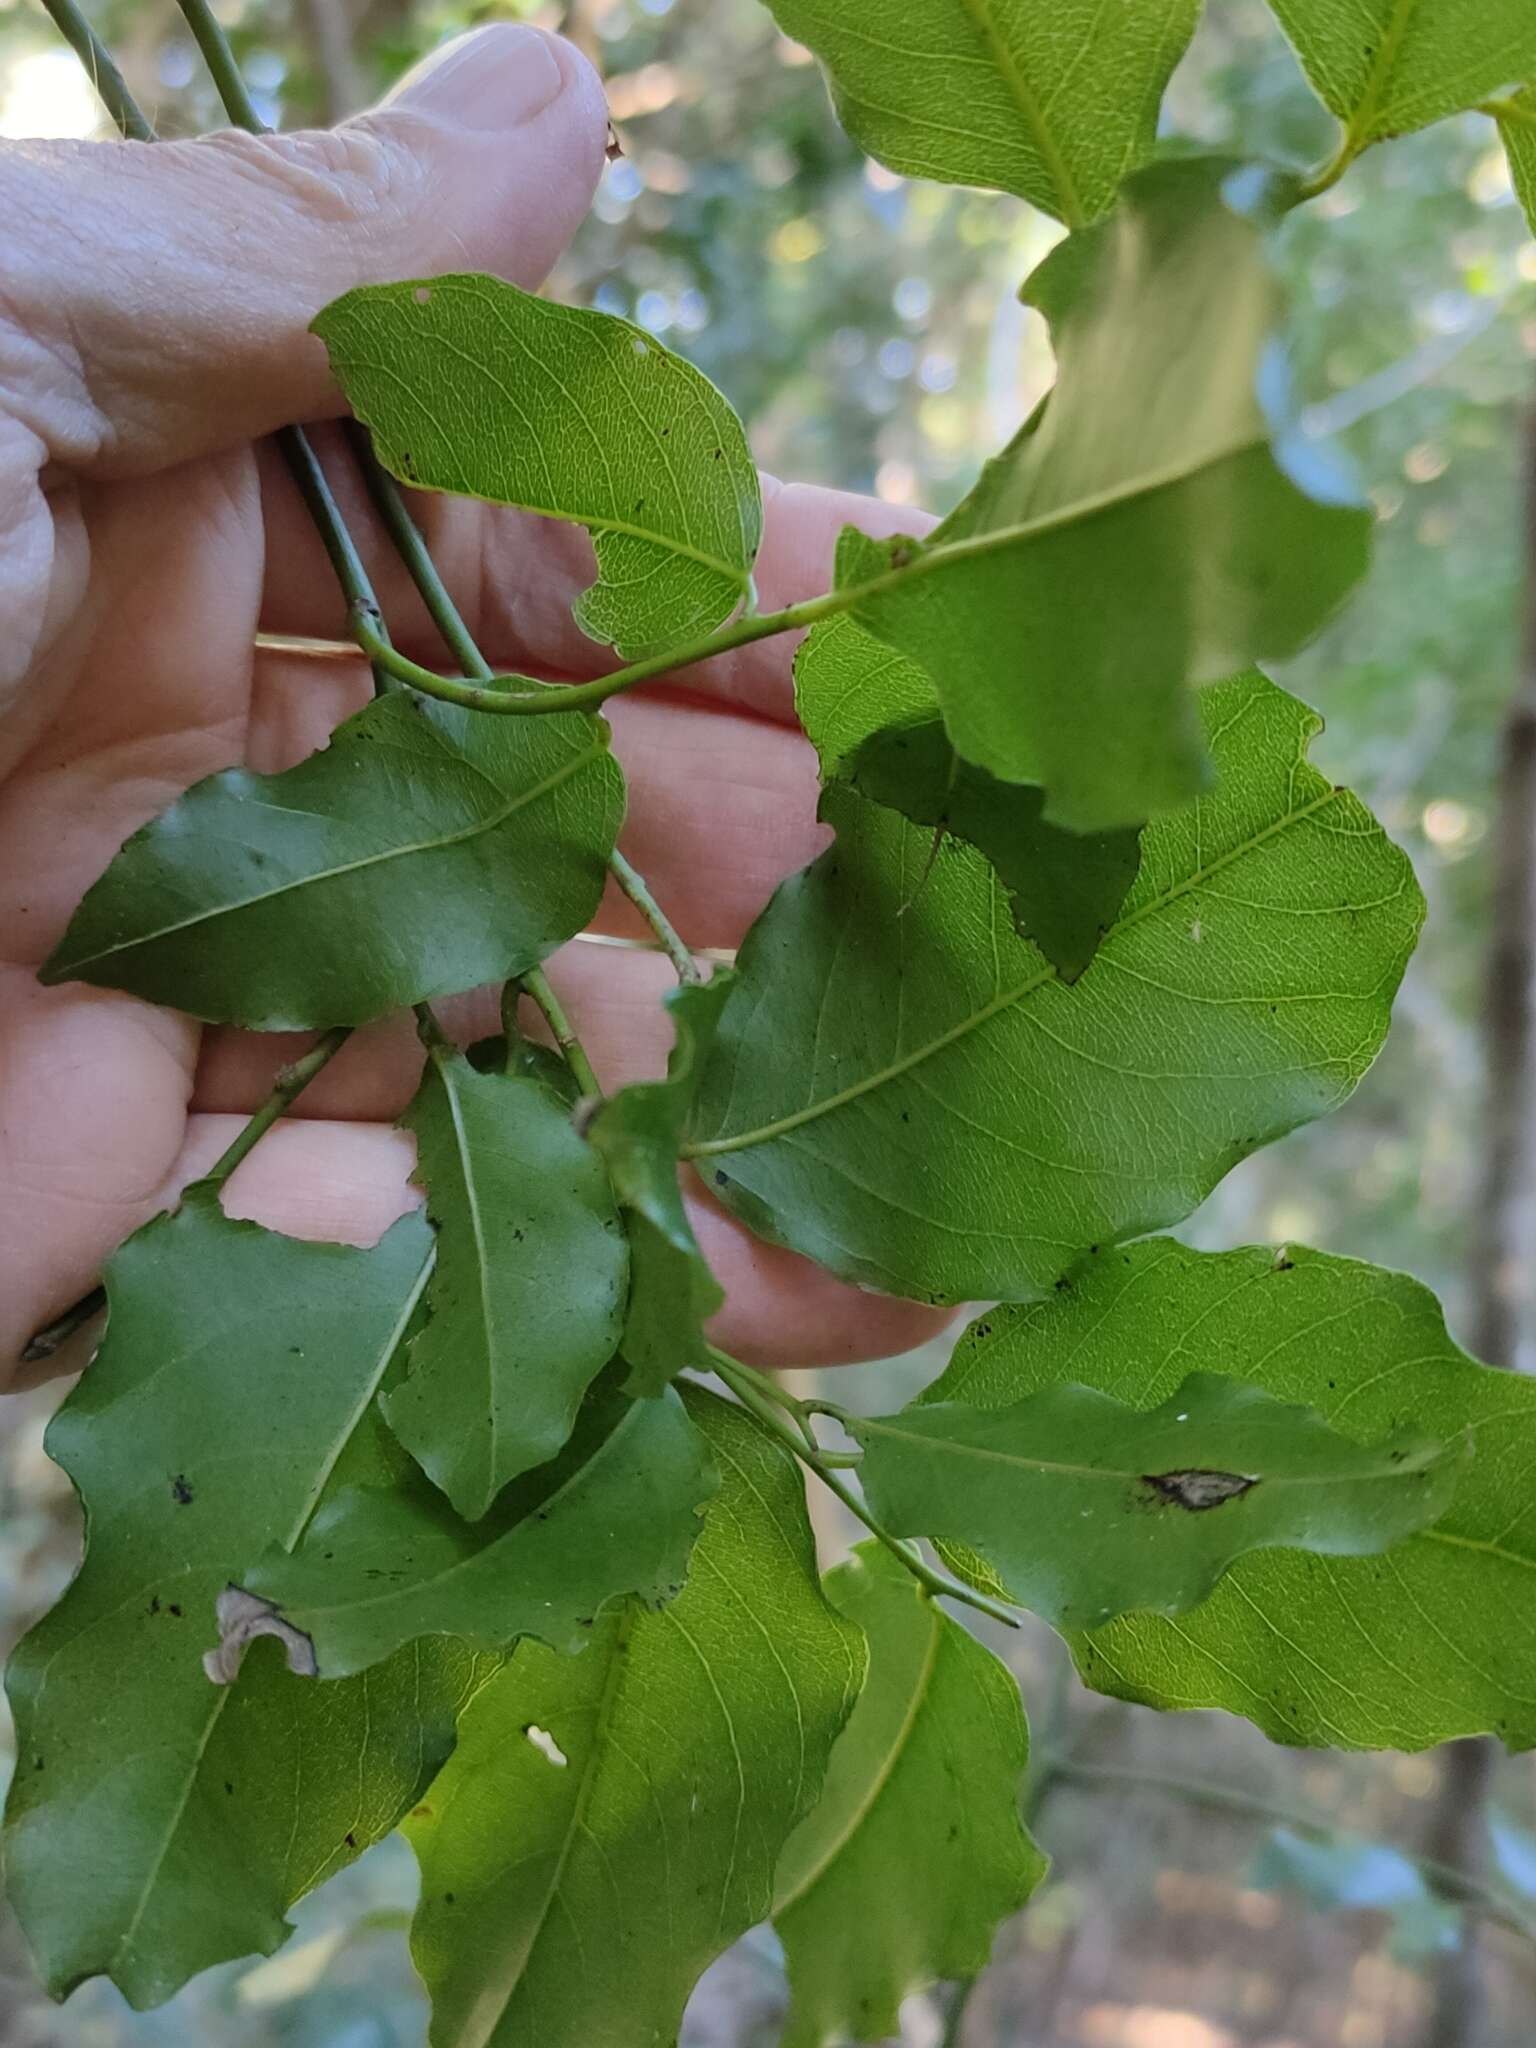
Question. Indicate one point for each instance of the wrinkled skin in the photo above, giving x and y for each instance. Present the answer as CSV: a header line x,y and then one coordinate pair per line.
x,y
154,303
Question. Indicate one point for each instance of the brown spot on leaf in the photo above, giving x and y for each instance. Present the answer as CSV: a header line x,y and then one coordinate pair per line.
x,y
1197,1490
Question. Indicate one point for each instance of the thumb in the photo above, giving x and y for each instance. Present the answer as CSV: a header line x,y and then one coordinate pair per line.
x,y
158,296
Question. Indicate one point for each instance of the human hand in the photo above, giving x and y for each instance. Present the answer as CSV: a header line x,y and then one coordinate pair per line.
x,y
153,327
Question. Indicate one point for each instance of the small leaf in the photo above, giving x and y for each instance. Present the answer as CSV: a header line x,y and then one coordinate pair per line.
x,y
1065,888
1517,126
425,850
1164,476
902,1872
957,1124
1386,67
527,1300
617,1513
1434,1640
672,1292
157,1823
471,385
1054,103
1347,1874
1086,1509
574,1903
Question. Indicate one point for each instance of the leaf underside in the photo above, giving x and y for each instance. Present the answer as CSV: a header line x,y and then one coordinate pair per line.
x,y
690,1743
1437,1638
472,386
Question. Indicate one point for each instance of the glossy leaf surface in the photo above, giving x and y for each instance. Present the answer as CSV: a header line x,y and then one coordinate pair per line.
x,y
158,1823
473,386
526,1301
1433,1640
1086,1508
424,851
903,1871
1385,67
1164,476
960,1125
643,1789
672,1292
1054,103
617,1513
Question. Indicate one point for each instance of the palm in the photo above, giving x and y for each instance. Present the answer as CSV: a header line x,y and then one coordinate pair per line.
x,y
151,679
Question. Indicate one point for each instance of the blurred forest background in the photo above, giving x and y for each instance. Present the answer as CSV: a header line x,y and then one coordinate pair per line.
x,y
1210,1890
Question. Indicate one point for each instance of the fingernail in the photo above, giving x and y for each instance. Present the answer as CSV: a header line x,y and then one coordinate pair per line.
x,y
492,78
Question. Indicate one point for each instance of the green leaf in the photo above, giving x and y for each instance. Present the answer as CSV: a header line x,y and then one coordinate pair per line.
x,y
873,718
610,1822
1085,1508
1158,523
1054,103
157,1823
902,1872
1517,127
526,1303
1065,888
672,1292
425,850
1434,1640
615,1514
1386,67
1345,1873
471,385
959,1125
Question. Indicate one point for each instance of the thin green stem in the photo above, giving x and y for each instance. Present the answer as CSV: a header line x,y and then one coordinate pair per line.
x,y
636,888
502,697
412,549
538,991
291,1082
766,1402
111,86
220,59
1328,174
769,1389
954,2019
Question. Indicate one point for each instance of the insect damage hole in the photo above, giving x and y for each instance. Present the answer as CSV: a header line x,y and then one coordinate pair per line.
x,y
546,1745
1197,1490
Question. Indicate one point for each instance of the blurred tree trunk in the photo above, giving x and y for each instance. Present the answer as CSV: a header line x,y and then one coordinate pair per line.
x,y
329,36
1458,1827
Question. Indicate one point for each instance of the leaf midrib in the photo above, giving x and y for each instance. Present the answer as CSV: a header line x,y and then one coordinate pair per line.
x,y
764,1133
72,964
1073,212
1031,1463
882,1776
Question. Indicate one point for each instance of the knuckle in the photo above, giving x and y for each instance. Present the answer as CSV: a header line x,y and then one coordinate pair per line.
x,y
354,175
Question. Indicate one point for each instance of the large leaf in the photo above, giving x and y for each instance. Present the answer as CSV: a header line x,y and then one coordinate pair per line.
x,y
610,1822
1385,67
426,850
615,1514
1085,1508
1517,126
527,1300
471,385
913,1855
672,1292
1054,103
1434,1640
158,1823
957,1123
1157,524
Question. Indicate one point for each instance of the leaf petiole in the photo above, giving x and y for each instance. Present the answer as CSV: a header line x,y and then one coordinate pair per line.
x,y
769,1404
